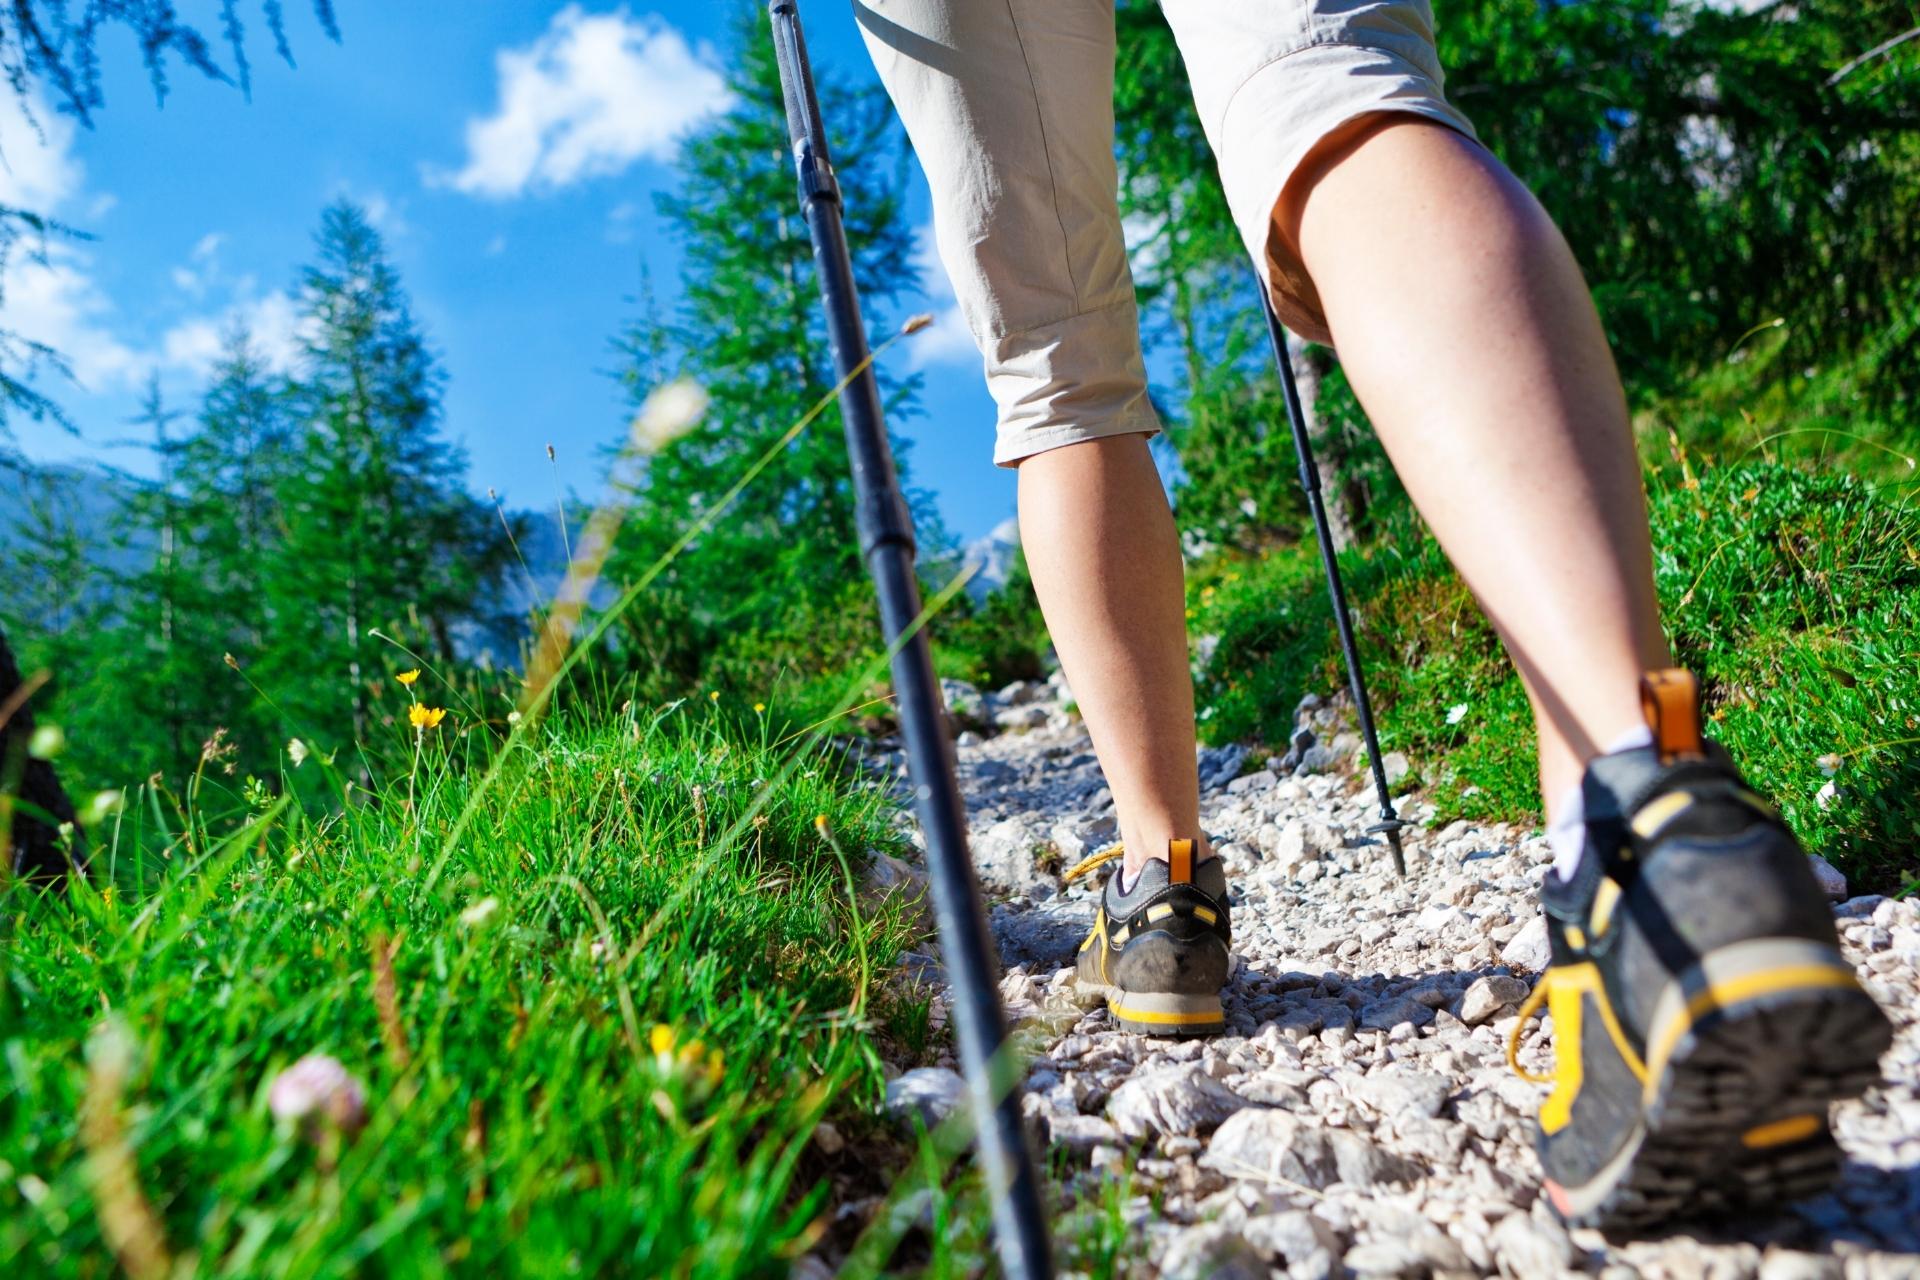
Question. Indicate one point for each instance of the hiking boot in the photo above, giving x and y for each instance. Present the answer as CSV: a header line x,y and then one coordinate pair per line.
x,y
1158,952
1703,1016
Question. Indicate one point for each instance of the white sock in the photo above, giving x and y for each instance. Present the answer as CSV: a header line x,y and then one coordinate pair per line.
x,y
1567,833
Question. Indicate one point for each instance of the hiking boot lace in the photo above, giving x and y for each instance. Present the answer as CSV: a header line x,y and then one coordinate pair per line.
x,y
1091,862
1528,1008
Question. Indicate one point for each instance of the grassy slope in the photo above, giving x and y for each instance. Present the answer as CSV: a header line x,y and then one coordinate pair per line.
x,y
522,1120
1796,595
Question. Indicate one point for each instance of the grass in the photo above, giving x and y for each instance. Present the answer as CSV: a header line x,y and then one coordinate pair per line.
x,y
599,986
600,1046
602,990
1794,594
1834,414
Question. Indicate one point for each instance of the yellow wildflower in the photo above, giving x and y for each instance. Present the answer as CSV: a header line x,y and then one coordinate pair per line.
x,y
758,707
408,677
660,1039
713,695
423,717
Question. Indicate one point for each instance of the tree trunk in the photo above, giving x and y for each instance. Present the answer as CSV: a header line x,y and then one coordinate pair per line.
x,y
1311,365
32,844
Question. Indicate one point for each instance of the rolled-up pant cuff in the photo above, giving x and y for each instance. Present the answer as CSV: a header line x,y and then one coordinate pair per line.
x,y
1079,378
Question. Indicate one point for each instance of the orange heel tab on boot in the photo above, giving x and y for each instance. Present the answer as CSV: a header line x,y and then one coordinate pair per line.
x,y
1670,699
1179,862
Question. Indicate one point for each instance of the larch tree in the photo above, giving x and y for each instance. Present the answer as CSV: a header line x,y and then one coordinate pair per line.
x,y
199,537
1715,167
379,531
52,47
783,561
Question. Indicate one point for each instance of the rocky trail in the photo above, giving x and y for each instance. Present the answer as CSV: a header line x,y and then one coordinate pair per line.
x,y
1358,1118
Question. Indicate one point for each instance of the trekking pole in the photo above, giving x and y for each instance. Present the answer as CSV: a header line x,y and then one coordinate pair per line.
x,y
886,543
1390,823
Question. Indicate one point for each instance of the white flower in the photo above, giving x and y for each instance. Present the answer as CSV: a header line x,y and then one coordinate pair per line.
x,y
296,752
1826,795
1456,713
669,413
102,806
1829,764
479,913
318,1089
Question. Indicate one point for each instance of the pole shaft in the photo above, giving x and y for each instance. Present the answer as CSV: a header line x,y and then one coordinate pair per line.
x,y
887,545
1342,619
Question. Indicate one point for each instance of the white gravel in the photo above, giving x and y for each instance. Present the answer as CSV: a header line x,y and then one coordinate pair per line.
x,y
1358,1117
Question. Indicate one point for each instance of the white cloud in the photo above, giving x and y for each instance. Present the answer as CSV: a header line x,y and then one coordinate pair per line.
x,y
48,288
51,294
37,168
272,321
620,222
54,300
386,216
194,344
947,340
201,267
279,330
592,95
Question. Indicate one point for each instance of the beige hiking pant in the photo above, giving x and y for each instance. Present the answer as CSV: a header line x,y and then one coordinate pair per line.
x,y
1009,104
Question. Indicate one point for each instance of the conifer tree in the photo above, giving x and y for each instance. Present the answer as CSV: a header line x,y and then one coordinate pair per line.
x,y
230,473
379,532
1714,167
156,605
52,45
200,536
783,561
57,605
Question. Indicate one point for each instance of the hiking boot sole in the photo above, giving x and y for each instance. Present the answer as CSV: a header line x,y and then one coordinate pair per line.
x,y
1747,1052
1163,1014
1155,1013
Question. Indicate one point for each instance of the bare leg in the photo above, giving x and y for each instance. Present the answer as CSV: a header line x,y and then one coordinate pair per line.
x,y
1105,559
1470,338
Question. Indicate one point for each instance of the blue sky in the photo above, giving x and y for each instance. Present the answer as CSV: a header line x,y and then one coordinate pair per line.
x,y
508,152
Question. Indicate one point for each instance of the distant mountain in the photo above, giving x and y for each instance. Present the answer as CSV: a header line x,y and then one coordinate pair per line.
x,y
535,575
994,552
82,502
78,502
